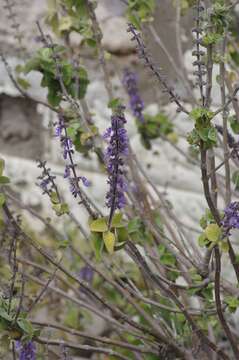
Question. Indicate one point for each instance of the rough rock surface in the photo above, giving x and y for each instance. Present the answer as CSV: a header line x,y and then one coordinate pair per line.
x,y
181,180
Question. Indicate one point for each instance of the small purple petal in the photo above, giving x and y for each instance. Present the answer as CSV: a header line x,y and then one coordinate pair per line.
x,y
85,181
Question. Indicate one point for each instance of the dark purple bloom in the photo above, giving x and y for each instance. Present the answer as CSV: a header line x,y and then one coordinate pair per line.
x,y
231,217
27,351
114,157
130,82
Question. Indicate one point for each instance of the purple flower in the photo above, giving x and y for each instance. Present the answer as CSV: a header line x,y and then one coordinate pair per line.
x,y
231,217
87,273
85,181
27,351
114,157
130,82
68,151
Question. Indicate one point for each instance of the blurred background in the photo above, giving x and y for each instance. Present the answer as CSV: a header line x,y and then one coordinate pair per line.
x,y
26,134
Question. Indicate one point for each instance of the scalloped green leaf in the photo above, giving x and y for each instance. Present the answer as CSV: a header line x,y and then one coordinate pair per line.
x,y
99,225
109,241
213,232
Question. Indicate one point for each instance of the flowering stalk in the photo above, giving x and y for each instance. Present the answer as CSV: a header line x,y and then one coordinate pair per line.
x,y
70,169
130,83
115,153
27,351
143,54
47,181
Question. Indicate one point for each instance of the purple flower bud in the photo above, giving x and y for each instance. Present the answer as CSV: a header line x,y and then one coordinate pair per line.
x,y
130,82
114,158
85,181
27,351
67,172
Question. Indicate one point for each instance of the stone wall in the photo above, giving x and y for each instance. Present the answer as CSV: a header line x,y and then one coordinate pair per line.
x,y
24,134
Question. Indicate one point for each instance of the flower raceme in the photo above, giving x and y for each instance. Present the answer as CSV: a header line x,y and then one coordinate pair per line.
x,y
68,151
26,351
231,217
117,150
130,83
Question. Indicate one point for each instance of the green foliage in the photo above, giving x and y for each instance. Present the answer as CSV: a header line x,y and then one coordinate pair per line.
x,y
103,237
153,127
59,207
220,16
15,328
203,131
140,11
3,179
66,16
114,103
235,179
44,62
169,260
232,303
109,241
234,124
211,39
82,138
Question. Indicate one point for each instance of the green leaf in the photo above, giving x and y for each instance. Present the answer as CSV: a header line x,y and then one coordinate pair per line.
x,y
234,124
134,225
98,245
213,232
2,199
32,64
202,240
109,241
224,246
23,83
54,198
2,166
212,134
114,103
4,180
26,326
168,259
232,303
60,209
99,225
117,220
65,23
235,179
203,222
4,315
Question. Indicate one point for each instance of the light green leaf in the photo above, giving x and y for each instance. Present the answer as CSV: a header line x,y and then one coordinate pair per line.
x,y
213,232
23,83
26,326
224,246
2,199
54,198
65,23
109,240
117,220
2,166
4,180
202,240
99,225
